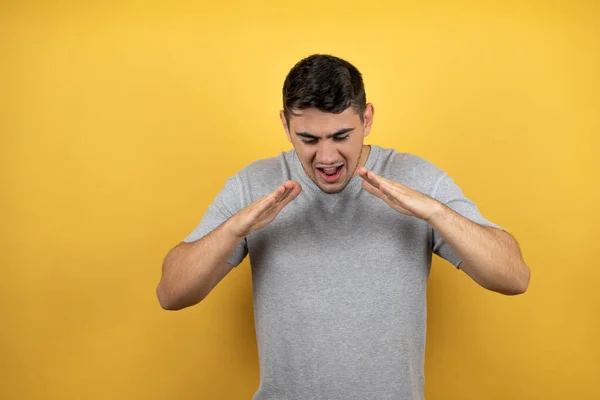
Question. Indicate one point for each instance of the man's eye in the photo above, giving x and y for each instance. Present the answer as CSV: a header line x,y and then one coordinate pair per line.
x,y
340,139
309,141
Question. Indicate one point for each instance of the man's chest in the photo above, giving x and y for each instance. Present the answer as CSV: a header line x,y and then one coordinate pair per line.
x,y
357,240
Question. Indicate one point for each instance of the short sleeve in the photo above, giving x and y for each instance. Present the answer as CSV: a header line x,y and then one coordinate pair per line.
x,y
227,203
448,193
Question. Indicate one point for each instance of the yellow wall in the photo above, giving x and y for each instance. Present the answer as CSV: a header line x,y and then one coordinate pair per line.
x,y
119,124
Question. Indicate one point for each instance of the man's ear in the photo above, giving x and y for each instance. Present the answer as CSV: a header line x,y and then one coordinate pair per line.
x,y
286,128
368,118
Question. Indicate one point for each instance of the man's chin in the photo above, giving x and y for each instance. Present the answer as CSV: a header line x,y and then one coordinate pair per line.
x,y
332,188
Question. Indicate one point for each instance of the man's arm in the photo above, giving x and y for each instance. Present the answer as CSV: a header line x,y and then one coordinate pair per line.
x,y
191,270
490,256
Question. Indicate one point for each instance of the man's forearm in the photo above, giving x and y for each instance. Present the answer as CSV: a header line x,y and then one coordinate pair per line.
x,y
490,256
191,270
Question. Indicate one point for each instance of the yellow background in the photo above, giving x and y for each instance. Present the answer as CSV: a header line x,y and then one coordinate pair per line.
x,y
120,122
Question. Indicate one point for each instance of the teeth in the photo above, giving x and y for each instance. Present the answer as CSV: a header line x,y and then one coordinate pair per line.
x,y
330,169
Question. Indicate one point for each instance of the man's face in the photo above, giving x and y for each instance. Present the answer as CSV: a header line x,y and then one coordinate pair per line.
x,y
330,146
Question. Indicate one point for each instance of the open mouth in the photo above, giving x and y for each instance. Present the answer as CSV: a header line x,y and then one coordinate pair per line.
x,y
332,174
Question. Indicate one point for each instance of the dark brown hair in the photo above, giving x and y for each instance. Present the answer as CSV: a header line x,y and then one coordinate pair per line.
x,y
326,83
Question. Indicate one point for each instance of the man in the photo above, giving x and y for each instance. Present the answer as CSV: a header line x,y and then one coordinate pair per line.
x,y
340,250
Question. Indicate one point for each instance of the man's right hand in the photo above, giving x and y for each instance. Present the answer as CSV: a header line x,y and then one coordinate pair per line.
x,y
264,210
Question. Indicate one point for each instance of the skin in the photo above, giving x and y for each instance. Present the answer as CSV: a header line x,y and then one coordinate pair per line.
x,y
324,139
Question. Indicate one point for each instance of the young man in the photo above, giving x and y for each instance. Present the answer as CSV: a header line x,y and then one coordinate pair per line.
x,y
341,250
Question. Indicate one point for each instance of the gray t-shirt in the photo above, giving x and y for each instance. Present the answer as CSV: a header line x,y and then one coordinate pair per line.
x,y
339,280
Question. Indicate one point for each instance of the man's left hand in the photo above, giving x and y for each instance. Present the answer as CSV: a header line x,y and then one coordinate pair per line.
x,y
401,198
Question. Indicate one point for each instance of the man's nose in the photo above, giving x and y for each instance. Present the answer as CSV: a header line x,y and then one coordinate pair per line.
x,y
327,154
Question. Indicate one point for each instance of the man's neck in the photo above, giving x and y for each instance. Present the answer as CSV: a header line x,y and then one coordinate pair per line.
x,y
364,155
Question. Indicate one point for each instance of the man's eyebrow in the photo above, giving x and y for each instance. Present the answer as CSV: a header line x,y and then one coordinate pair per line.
x,y
337,133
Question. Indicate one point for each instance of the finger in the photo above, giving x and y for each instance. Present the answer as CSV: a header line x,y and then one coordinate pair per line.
x,y
294,192
397,191
388,190
261,207
289,187
284,197
289,195
395,198
393,193
280,192
395,186
383,192
268,200
371,177
391,201
377,180
373,190
362,171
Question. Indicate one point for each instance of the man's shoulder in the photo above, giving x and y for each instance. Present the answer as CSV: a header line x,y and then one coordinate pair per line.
x,y
266,170
396,161
409,168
